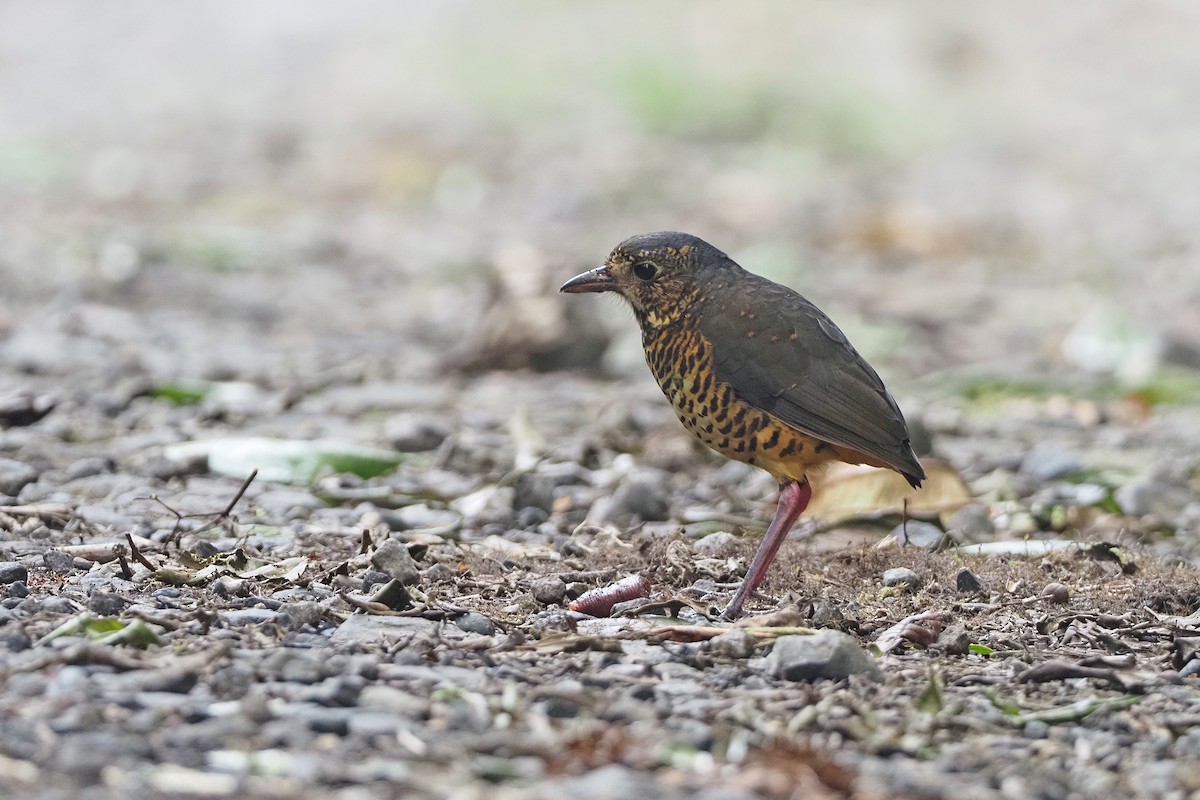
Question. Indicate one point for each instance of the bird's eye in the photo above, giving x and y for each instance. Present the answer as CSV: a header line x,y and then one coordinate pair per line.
x,y
645,271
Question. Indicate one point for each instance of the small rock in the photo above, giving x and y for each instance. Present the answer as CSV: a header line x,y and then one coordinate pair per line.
x,y
972,523
17,410
364,631
826,614
237,617
106,604
901,576
57,605
372,578
438,573
549,589
530,517
1048,461
1056,593
534,490
394,595
643,497
915,533
825,655
474,622
87,467
13,572
14,475
18,589
714,544
966,581
413,433
735,643
1139,498
955,642
58,561
393,559
297,615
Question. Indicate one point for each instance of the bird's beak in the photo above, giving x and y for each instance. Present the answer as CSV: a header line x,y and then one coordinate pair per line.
x,y
594,280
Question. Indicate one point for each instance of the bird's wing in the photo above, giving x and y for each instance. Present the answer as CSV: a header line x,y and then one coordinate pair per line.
x,y
798,366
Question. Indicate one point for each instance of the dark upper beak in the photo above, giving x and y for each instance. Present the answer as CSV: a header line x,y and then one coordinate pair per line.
x,y
594,280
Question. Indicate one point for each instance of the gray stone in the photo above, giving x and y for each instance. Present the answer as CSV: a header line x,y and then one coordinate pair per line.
x,y
825,655
643,497
1137,498
414,433
611,782
87,467
1048,461
474,622
58,561
714,544
393,559
106,604
534,490
972,523
248,616
360,630
548,589
14,475
372,578
12,572
59,605
967,581
901,576
915,533
735,643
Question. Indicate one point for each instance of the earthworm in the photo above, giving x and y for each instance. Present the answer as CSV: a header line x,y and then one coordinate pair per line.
x,y
599,602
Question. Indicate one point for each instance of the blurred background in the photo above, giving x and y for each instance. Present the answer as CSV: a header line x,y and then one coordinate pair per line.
x,y
979,193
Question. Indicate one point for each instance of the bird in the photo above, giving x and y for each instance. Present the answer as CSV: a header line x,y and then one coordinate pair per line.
x,y
755,371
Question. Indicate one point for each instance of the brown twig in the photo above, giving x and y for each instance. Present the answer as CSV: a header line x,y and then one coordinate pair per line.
x,y
137,555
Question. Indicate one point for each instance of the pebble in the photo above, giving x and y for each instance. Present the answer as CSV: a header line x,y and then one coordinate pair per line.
x,y
824,655
415,433
58,605
363,631
548,589
372,578
901,576
393,559
915,533
87,467
1049,461
14,475
58,561
972,523
714,544
106,604
534,490
18,590
735,643
967,581
474,622
643,497
13,572
247,616
1138,498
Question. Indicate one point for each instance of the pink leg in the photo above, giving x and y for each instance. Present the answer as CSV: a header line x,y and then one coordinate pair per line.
x,y
793,499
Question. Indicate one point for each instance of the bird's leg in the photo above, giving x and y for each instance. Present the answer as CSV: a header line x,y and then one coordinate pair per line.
x,y
793,499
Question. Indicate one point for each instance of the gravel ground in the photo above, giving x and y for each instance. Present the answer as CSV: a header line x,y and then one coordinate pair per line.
x,y
341,231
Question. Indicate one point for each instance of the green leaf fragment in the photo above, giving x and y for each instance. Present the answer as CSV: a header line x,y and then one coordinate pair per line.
x,y
287,460
930,700
104,630
980,649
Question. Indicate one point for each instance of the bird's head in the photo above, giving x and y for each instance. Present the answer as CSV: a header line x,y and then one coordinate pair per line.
x,y
661,275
